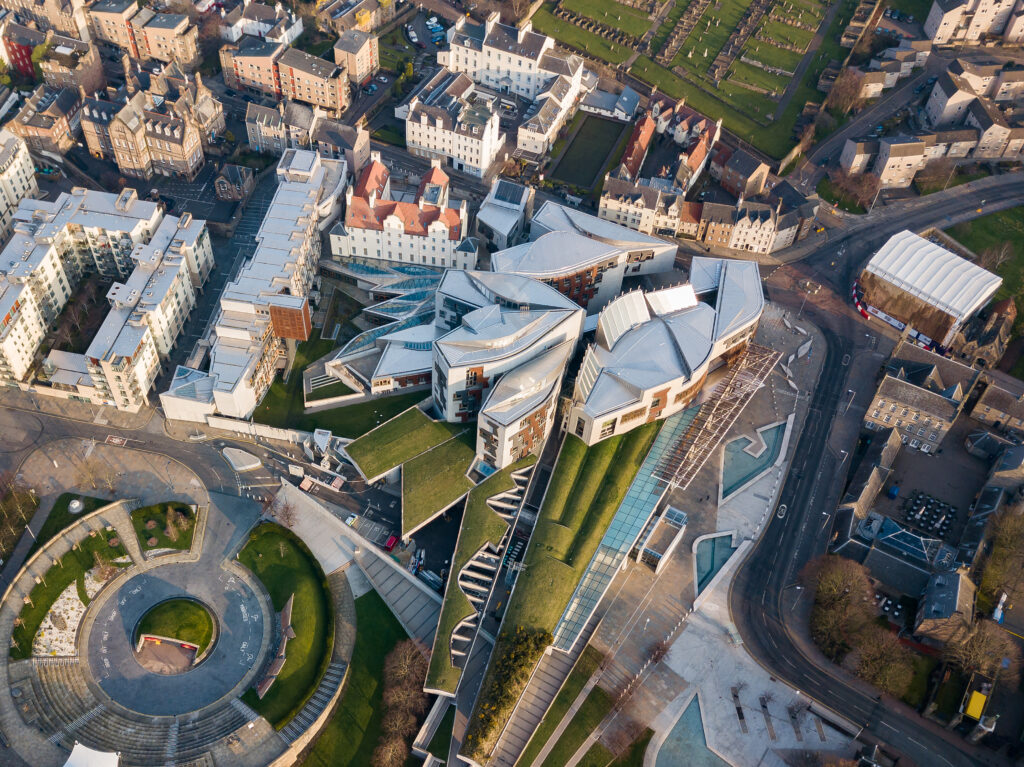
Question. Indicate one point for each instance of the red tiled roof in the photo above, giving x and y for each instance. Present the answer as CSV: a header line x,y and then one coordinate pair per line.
x,y
698,153
722,156
433,176
689,212
373,179
639,141
415,219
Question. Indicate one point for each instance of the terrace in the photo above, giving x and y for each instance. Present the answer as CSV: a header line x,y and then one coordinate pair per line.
x,y
399,440
435,480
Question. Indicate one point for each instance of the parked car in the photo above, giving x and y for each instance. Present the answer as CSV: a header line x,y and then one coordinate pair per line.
x,y
351,521
391,542
382,78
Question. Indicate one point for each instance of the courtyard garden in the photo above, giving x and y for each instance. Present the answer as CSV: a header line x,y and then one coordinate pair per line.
x,y
165,526
183,619
286,568
589,151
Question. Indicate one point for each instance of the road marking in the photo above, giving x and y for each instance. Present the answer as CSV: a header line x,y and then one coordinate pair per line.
x,y
886,724
916,741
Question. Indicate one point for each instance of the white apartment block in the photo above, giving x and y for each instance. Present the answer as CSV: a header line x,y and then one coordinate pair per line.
x,y
969,21
22,328
555,104
695,327
17,178
424,231
447,119
266,309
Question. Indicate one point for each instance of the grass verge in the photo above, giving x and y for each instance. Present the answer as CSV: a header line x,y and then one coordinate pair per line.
x,y
545,22
585,667
351,735
338,389
434,480
154,532
480,525
285,567
991,231
59,517
402,438
829,193
594,709
181,619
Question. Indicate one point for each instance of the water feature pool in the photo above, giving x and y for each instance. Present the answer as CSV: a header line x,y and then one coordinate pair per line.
x,y
739,467
686,744
710,555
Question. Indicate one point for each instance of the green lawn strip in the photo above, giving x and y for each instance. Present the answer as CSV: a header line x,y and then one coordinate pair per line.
x,y
399,440
772,55
583,160
59,517
747,73
181,619
597,756
585,667
573,36
923,667
283,404
351,735
157,513
828,192
616,15
950,694
389,135
434,480
338,389
296,573
634,755
788,34
593,711
917,8
993,230
956,179
442,739
353,421
83,595
479,525
557,556
67,572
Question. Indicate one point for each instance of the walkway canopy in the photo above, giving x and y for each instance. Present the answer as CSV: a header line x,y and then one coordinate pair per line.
x,y
83,756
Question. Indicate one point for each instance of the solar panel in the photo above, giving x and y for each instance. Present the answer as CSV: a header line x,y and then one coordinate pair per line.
x,y
508,192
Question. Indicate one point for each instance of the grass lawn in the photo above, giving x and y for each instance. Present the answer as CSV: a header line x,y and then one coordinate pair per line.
x,y
389,135
351,735
747,73
956,179
157,531
59,517
923,667
181,619
285,567
949,695
916,8
479,525
442,739
787,34
283,404
585,667
593,711
992,231
354,421
576,37
597,756
583,160
436,479
616,15
338,389
71,569
726,14
772,56
634,755
828,192
400,439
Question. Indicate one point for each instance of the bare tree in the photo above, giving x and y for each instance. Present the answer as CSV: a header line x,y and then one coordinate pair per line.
x,y
519,8
936,174
285,513
63,333
861,188
884,662
846,91
985,648
841,594
992,258
390,752
398,721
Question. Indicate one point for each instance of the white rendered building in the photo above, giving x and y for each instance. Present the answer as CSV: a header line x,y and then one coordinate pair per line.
x,y
583,256
266,22
968,21
17,178
425,230
447,119
555,104
22,328
266,309
654,350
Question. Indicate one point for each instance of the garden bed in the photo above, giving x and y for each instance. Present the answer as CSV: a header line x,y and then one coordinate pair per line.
x,y
165,526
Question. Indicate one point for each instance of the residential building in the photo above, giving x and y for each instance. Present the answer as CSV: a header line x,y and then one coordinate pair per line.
x,y
267,309
948,102
870,472
1001,406
951,22
583,256
313,80
899,159
982,340
740,173
945,611
620,106
70,63
358,53
234,183
909,54
649,207
918,286
273,23
636,149
162,260
66,17
784,217
858,155
19,43
17,178
48,120
873,83
920,395
144,34
447,119
696,328
507,59
423,231
280,72
22,329
292,125
501,220
554,105
157,132
364,15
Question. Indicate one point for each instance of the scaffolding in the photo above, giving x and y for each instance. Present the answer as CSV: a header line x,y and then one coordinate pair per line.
x,y
716,416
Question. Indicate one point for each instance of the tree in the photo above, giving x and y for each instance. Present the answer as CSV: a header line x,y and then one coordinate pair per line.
x,y
984,648
390,752
993,257
38,54
285,513
63,333
519,8
860,188
841,597
884,662
846,92
936,174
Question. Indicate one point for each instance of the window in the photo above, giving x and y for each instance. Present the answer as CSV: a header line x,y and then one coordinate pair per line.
x,y
607,428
